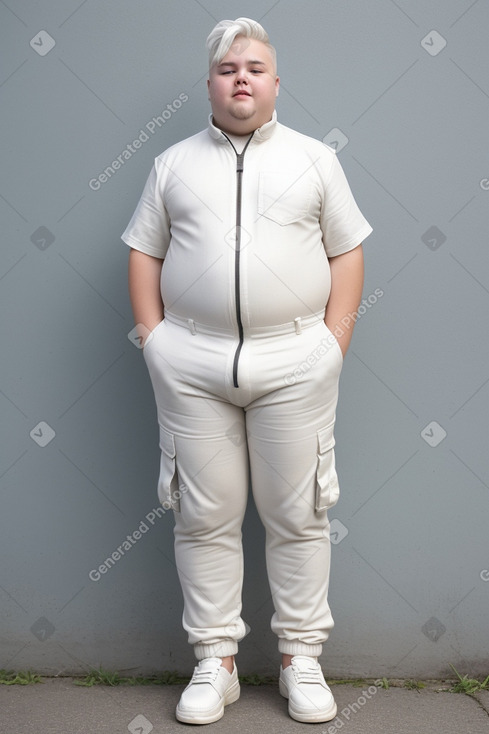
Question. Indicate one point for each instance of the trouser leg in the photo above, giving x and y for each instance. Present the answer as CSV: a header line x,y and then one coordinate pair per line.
x,y
204,473
208,547
290,436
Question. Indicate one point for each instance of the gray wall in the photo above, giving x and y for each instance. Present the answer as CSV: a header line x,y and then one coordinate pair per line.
x,y
79,452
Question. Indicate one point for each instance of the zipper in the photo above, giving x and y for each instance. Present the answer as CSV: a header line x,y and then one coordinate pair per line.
x,y
237,254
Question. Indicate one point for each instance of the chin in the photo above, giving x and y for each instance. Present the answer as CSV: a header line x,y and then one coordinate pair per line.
x,y
242,113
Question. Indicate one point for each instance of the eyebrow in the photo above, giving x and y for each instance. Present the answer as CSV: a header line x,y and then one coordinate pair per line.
x,y
250,63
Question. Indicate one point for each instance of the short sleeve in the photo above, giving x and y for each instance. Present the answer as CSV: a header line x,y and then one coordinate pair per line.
x,y
149,228
342,223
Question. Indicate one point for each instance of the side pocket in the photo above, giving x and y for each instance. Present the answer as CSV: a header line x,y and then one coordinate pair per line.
x,y
327,487
149,337
333,342
169,493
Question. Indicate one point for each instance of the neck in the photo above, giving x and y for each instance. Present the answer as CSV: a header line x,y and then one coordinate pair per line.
x,y
242,130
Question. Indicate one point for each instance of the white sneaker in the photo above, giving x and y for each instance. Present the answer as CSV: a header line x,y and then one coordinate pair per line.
x,y
310,699
210,689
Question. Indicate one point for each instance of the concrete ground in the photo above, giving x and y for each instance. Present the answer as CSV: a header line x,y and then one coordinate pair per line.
x,y
58,706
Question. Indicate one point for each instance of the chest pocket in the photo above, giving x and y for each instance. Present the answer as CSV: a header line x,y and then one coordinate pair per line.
x,y
284,196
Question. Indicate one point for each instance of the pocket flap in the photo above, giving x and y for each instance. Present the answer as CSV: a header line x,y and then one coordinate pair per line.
x,y
326,438
327,488
283,196
167,442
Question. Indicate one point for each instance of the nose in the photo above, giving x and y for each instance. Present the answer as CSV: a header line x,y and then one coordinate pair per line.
x,y
241,76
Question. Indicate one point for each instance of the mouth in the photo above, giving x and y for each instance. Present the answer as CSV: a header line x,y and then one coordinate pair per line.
x,y
242,94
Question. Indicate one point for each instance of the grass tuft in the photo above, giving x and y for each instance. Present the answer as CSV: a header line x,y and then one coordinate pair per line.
x,y
20,678
102,677
468,685
257,680
414,685
356,682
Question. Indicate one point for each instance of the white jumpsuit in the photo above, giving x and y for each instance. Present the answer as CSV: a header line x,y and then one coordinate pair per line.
x,y
244,370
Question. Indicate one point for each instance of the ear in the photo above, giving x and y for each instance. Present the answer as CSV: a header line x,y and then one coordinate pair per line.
x,y
208,86
277,86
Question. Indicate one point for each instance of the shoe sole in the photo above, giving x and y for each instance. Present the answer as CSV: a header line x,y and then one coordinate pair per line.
x,y
315,717
231,695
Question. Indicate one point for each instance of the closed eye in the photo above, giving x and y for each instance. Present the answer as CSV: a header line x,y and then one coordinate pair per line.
x,y
232,71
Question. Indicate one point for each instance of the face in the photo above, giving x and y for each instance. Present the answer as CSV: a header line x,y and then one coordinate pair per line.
x,y
243,87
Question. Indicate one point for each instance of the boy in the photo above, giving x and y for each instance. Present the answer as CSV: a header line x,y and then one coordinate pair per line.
x,y
245,257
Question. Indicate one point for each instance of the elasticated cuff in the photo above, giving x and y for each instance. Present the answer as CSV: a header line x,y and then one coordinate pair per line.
x,y
216,650
296,647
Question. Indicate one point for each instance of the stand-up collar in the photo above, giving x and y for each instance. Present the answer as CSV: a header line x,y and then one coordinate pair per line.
x,y
262,133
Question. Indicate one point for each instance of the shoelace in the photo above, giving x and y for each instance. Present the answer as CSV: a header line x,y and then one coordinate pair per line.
x,y
205,676
311,674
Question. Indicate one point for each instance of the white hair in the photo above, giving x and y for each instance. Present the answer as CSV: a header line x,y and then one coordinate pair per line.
x,y
222,36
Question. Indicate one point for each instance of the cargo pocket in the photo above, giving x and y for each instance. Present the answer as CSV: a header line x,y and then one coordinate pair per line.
x,y
169,492
327,487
